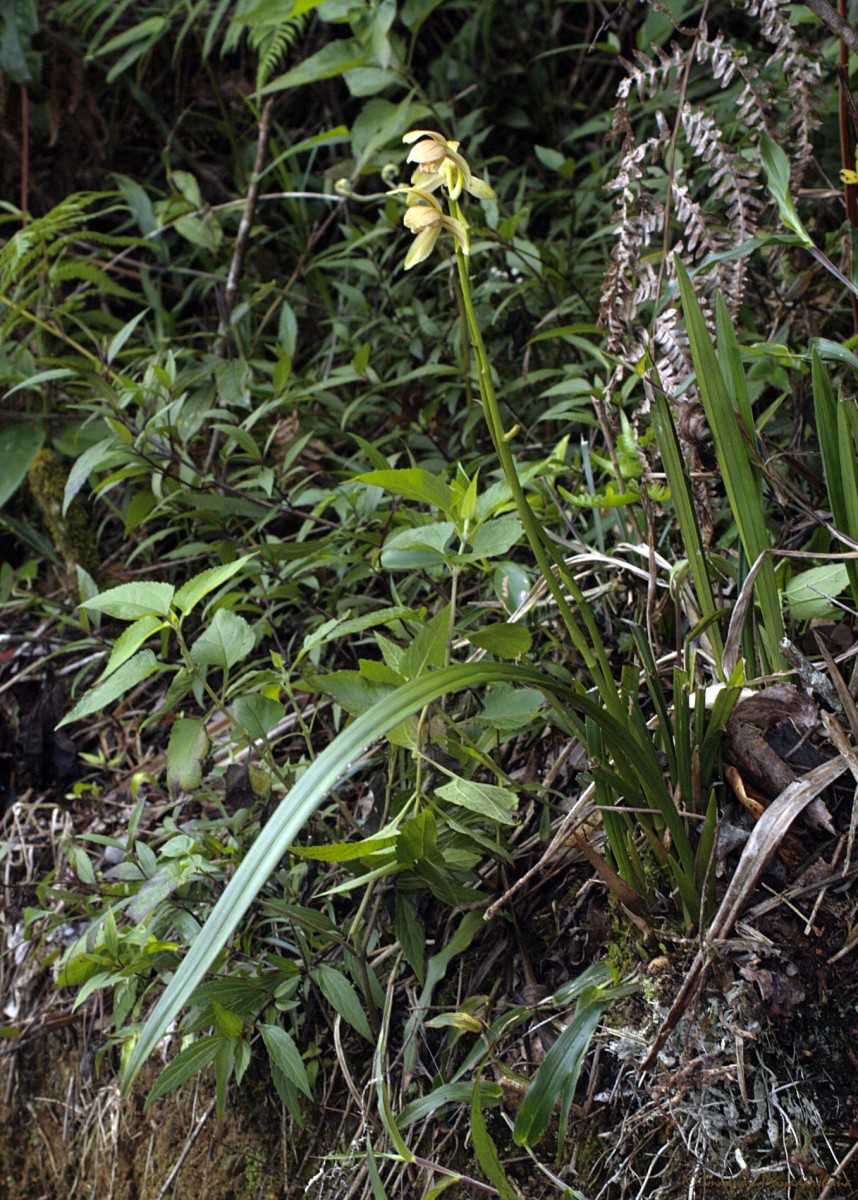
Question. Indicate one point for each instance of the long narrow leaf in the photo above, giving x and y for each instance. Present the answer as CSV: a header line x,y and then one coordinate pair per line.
x,y
740,481
689,527
838,460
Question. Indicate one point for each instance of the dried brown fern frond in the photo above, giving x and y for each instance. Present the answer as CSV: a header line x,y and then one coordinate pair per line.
x,y
801,75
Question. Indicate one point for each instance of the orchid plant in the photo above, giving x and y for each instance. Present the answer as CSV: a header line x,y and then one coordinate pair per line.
x,y
442,170
441,166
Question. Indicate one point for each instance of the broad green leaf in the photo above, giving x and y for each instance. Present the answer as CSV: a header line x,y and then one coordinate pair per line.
x,y
415,12
228,1023
286,1056
96,700
807,595
429,648
418,838
242,1059
507,707
342,997
413,549
353,690
496,803
512,585
186,751
132,600
191,593
258,714
502,639
198,232
19,444
380,122
496,537
224,1063
226,641
188,1062
413,483
411,934
776,166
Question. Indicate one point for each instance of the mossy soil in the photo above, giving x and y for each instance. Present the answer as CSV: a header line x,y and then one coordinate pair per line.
x,y
65,1135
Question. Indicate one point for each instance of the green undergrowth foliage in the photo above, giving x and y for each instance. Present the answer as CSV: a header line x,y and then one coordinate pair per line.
x,y
409,465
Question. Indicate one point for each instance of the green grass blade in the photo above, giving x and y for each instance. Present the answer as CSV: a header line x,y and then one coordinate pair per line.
x,y
837,448
686,515
485,1149
740,481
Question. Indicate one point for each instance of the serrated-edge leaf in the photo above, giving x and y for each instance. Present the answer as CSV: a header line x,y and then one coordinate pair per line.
x,y
130,641
224,642
286,1055
188,1062
342,997
413,483
191,593
129,601
132,672
228,1023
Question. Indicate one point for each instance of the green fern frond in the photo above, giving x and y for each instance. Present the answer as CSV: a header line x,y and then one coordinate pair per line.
x,y
271,43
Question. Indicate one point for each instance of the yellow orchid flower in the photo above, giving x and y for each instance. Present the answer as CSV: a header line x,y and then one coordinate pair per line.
x,y
425,218
441,162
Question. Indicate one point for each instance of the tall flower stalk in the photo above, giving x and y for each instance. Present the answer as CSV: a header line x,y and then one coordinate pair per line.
x,y
440,165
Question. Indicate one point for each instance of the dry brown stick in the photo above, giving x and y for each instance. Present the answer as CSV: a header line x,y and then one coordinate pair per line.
x,y
830,17
243,235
